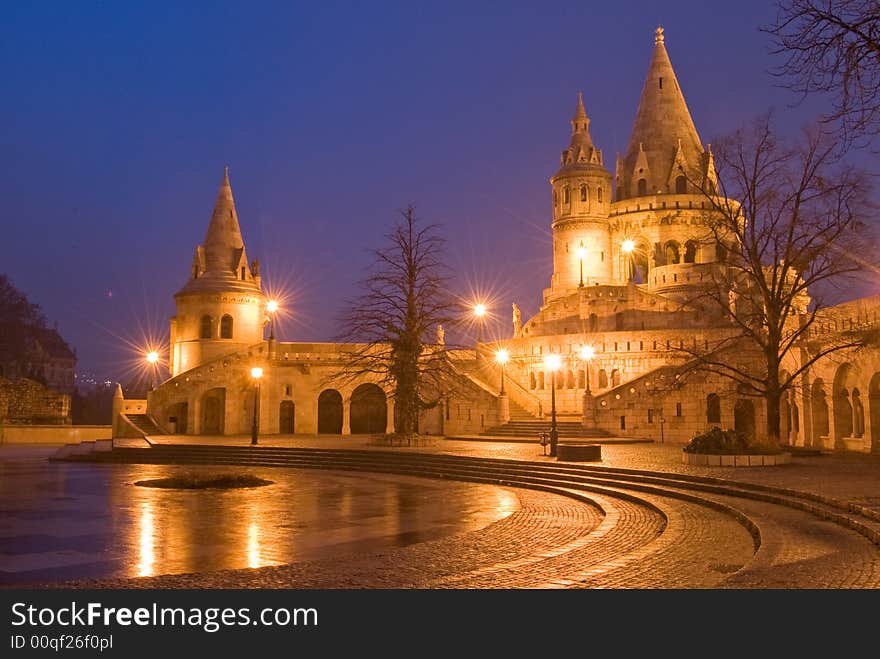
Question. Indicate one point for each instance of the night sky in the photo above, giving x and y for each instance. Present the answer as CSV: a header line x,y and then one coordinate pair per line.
x,y
119,117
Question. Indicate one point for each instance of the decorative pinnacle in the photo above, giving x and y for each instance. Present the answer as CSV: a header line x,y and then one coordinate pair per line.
x,y
658,36
579,112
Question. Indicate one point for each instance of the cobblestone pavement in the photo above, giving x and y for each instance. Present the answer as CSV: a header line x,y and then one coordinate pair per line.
x,y
611,537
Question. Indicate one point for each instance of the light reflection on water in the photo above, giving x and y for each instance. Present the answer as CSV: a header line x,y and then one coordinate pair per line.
x,y
63,521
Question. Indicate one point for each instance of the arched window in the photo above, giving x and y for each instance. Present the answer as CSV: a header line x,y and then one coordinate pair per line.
x,y
615,378
540,379
566,196
593,322
690,251
603,379
555,198
583,193
226,327
642,187
672,254
713,408
681,186
205,328
532,382
582,380
599,194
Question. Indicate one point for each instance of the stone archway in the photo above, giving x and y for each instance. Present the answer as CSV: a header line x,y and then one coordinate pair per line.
x,y
713,409
286,417
213,411
874,410
744,417
330,412
369,410
841,403
178,418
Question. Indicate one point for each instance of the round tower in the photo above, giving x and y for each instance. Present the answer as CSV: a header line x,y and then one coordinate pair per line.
x,y
221,308
581,200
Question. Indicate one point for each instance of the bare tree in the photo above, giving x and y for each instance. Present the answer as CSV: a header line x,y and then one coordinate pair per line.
x,y
391,326
788,226
833,47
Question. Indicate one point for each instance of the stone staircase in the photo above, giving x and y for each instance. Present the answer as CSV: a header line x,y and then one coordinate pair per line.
x,y
144,424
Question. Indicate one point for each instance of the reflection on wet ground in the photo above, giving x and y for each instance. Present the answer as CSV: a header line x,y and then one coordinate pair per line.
x,y
62,521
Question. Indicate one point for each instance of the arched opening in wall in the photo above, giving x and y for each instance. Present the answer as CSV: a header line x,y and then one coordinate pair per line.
x,y
532,382
795,423
858,414
615,378
369,410
330,412
618,321
819,416
583,193
603,379
213,411
720,252
569,380
205,327
593,322
690,251
841,405
599,194
672,253
744,417
540,379
566,195
582,380
642,187
681,185
713,408
226,327
638,262
178,418
286,417
874,409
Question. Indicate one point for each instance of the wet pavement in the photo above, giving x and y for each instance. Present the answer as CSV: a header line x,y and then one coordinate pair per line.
x,y
61,521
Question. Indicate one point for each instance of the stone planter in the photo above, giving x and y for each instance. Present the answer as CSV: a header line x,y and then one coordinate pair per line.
x,y
735,460
570,452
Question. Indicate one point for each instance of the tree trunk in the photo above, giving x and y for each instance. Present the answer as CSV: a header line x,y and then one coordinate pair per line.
x,y
773,398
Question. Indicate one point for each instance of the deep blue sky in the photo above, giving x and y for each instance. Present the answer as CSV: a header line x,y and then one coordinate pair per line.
x,y
118,118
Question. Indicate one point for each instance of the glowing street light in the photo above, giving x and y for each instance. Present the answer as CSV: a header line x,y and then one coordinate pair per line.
x,y
581,254
628,247
256,376
480,313
271,309
587,353
502,356
152,358
552,362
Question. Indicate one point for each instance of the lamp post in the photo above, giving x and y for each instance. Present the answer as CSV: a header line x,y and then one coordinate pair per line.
x,y
502,356
552,362
627,247
480,313
271,309
153,360
256,375
581,254
586,354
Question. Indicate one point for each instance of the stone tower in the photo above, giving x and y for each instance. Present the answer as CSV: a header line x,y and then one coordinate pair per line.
x,y
581,200
221,308
659,210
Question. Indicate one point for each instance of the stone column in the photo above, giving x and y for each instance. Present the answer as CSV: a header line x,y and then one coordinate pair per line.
x,y
118,404
389,426
589,411
346,418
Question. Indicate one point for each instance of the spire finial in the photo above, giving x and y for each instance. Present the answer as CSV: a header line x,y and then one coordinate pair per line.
x,y
580,114
658,36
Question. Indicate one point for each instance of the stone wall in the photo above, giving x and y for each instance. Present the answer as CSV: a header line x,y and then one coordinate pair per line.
x,y
28,402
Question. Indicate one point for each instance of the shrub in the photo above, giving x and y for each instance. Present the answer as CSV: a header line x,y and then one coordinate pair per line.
x,y
717,441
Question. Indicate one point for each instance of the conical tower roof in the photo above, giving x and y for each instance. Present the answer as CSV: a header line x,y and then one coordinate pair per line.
x,y
220,264
581,151
663,135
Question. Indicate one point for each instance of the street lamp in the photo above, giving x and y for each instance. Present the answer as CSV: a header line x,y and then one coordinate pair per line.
x,y
502,356
587,354
552,362
627,247
581,254
256,375
480,313
153,360
271,308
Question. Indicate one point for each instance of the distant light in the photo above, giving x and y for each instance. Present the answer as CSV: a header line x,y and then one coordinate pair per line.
x,y
628,246
272,306
256,372
581,253
502,356
479,310
587,353
152,357
552,362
